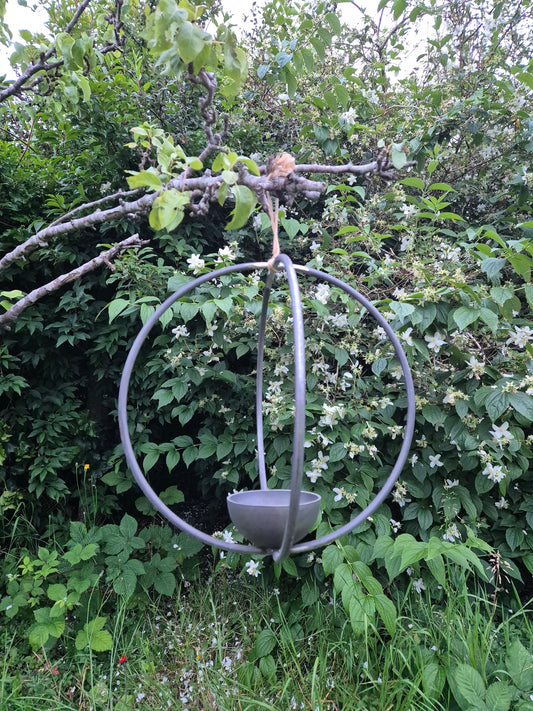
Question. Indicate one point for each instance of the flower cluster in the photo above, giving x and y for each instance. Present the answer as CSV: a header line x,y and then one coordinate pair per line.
x,y
318,465
495,472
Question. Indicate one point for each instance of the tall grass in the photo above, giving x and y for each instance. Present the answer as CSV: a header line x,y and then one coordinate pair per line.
x,y
231,643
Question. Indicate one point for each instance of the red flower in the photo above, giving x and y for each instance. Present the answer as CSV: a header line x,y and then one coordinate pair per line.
x,y
55,670
122,659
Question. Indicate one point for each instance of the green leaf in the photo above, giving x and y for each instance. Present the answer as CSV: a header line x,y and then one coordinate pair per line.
x,y
413,183
526,79
437,569
94,636
128,526
434,414
433,679
520,666
267,665
401,309
171,495
245,201
398,7
441,186
49,623
319,47
337,452
145,179
501,294
332,557
489,317
334,23
496,404
528,290
116,307
521,264
387,611
38,636
464,316
310,594
397,155
492,267
265,643
498,696
56,592
191,41
514,537
165,583
379,365
289,566
469,683
168,209
523,403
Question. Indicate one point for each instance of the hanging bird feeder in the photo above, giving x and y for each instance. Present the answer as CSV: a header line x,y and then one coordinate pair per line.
x,y
274,520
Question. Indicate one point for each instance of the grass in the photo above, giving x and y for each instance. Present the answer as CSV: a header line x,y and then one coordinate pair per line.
x,y
232,643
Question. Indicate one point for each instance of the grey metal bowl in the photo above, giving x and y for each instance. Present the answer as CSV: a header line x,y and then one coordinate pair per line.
x,y
261,515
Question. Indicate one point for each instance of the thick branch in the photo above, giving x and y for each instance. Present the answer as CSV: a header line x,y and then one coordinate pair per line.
x,y
285,188
207,111
42,291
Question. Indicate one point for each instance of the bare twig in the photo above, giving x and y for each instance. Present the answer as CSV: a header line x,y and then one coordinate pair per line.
x,y
104,258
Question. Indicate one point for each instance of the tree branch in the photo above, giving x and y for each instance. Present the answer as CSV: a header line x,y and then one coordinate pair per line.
x,y
42,291
22,83
286,188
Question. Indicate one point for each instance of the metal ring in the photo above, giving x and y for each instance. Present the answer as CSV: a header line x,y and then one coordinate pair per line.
x,y
295,299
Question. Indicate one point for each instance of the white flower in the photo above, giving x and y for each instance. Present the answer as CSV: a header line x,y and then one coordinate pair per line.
x,y
395,525
195,263
413,460
501,504
449,484
349,117
226,663
399,495
339,320
494,472
419,585
520,337
452,532
501,434
252,568
406,243
476,367
435,461
339,493
331,414
227,536
435,342
409,210
322,293
226,253
313,475
321,462
180,331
